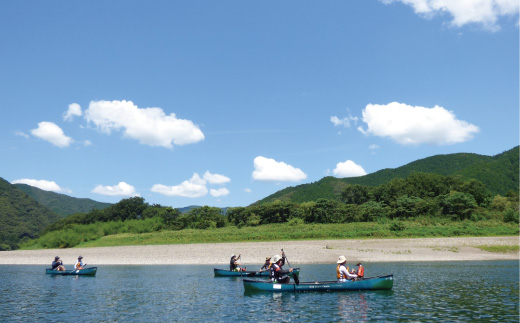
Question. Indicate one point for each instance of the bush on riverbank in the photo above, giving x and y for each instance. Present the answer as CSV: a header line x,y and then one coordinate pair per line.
x,y
134,232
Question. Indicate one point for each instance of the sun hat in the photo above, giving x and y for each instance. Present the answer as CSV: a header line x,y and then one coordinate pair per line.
x,y
56,258
233,255
277,258
80,257
267,258
341,260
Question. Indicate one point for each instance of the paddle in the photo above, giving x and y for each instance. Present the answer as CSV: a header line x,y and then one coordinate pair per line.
x,y
295,277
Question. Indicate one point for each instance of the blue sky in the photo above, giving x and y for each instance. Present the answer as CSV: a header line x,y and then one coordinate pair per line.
x,y
223,103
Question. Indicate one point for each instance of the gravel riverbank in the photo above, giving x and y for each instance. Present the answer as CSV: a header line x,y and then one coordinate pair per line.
x,y
254,253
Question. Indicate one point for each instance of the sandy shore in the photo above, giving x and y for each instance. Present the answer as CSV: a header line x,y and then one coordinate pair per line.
x,y
298,252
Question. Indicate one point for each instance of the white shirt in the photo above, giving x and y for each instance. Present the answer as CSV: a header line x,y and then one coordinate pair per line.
x,y
80,264
343,270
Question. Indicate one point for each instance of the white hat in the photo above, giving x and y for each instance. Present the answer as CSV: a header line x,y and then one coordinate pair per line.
x,y
276,258
233,255
341,260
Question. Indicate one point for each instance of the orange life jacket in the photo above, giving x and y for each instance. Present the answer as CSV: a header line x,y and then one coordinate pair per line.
x,y
339,274
361,271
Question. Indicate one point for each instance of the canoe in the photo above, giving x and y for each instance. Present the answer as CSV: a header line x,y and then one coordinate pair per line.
x,y
83,272
225,272
373,283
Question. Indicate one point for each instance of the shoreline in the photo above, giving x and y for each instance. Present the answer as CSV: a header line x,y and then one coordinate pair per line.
x,y
254,253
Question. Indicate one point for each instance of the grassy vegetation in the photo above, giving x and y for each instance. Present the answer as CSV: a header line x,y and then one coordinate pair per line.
x,y
275,232
500,248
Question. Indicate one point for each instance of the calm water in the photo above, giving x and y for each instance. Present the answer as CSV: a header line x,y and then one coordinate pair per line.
x,y
425,292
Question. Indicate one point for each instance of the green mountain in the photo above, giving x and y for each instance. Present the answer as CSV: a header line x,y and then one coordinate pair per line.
x,y
61,204
499,173
21,217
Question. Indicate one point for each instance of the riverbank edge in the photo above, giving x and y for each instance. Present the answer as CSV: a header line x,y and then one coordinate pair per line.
x,y
298,252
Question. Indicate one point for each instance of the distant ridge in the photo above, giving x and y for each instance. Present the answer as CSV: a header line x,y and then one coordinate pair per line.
x,y
21,217
186,209
60,203
499,173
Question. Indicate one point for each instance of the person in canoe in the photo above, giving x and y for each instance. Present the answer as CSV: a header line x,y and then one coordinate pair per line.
x,y
234,265
360,272
278,275
267,264
79,264
342,272
57,264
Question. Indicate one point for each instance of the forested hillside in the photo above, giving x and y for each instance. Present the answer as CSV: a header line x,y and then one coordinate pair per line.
x,y
498,173
61,204
21,217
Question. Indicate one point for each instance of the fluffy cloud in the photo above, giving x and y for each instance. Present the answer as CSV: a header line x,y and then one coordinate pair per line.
x,y
150,126
73,111
348,169
121,189
220,192
216,178
483,12
267,169
194,187
41,184
409,125
52,133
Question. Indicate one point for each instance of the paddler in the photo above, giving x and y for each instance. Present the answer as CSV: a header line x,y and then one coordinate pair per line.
x,y
234,265
342,270
278,275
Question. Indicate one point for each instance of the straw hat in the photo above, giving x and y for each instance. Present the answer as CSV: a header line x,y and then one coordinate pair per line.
x,y
341,260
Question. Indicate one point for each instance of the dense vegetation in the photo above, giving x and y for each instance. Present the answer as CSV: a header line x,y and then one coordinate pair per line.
x,y
21,217
500,175
61,204
440,205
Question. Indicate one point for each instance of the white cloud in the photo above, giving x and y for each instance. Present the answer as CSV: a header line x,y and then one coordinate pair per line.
x,y
267,169
483,12
73,111
248,190
409,125
220,192
52,133
150,126
21,134
41,184
121,189
194,187
345,122
216,178
348,169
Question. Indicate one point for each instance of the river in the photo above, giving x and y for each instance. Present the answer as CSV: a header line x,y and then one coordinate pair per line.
x,y
423,292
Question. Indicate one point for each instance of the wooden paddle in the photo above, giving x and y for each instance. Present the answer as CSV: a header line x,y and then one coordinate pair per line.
x,y
295,277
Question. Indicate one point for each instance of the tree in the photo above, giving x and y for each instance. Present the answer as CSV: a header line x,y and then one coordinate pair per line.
x,y
458,205
355,194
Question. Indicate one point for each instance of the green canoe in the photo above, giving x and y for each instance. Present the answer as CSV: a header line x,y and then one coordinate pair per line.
x,y
373,283
83,272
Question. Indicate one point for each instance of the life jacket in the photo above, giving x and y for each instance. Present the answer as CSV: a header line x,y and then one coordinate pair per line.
x,y
232,264
273,273
339,274
361,271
